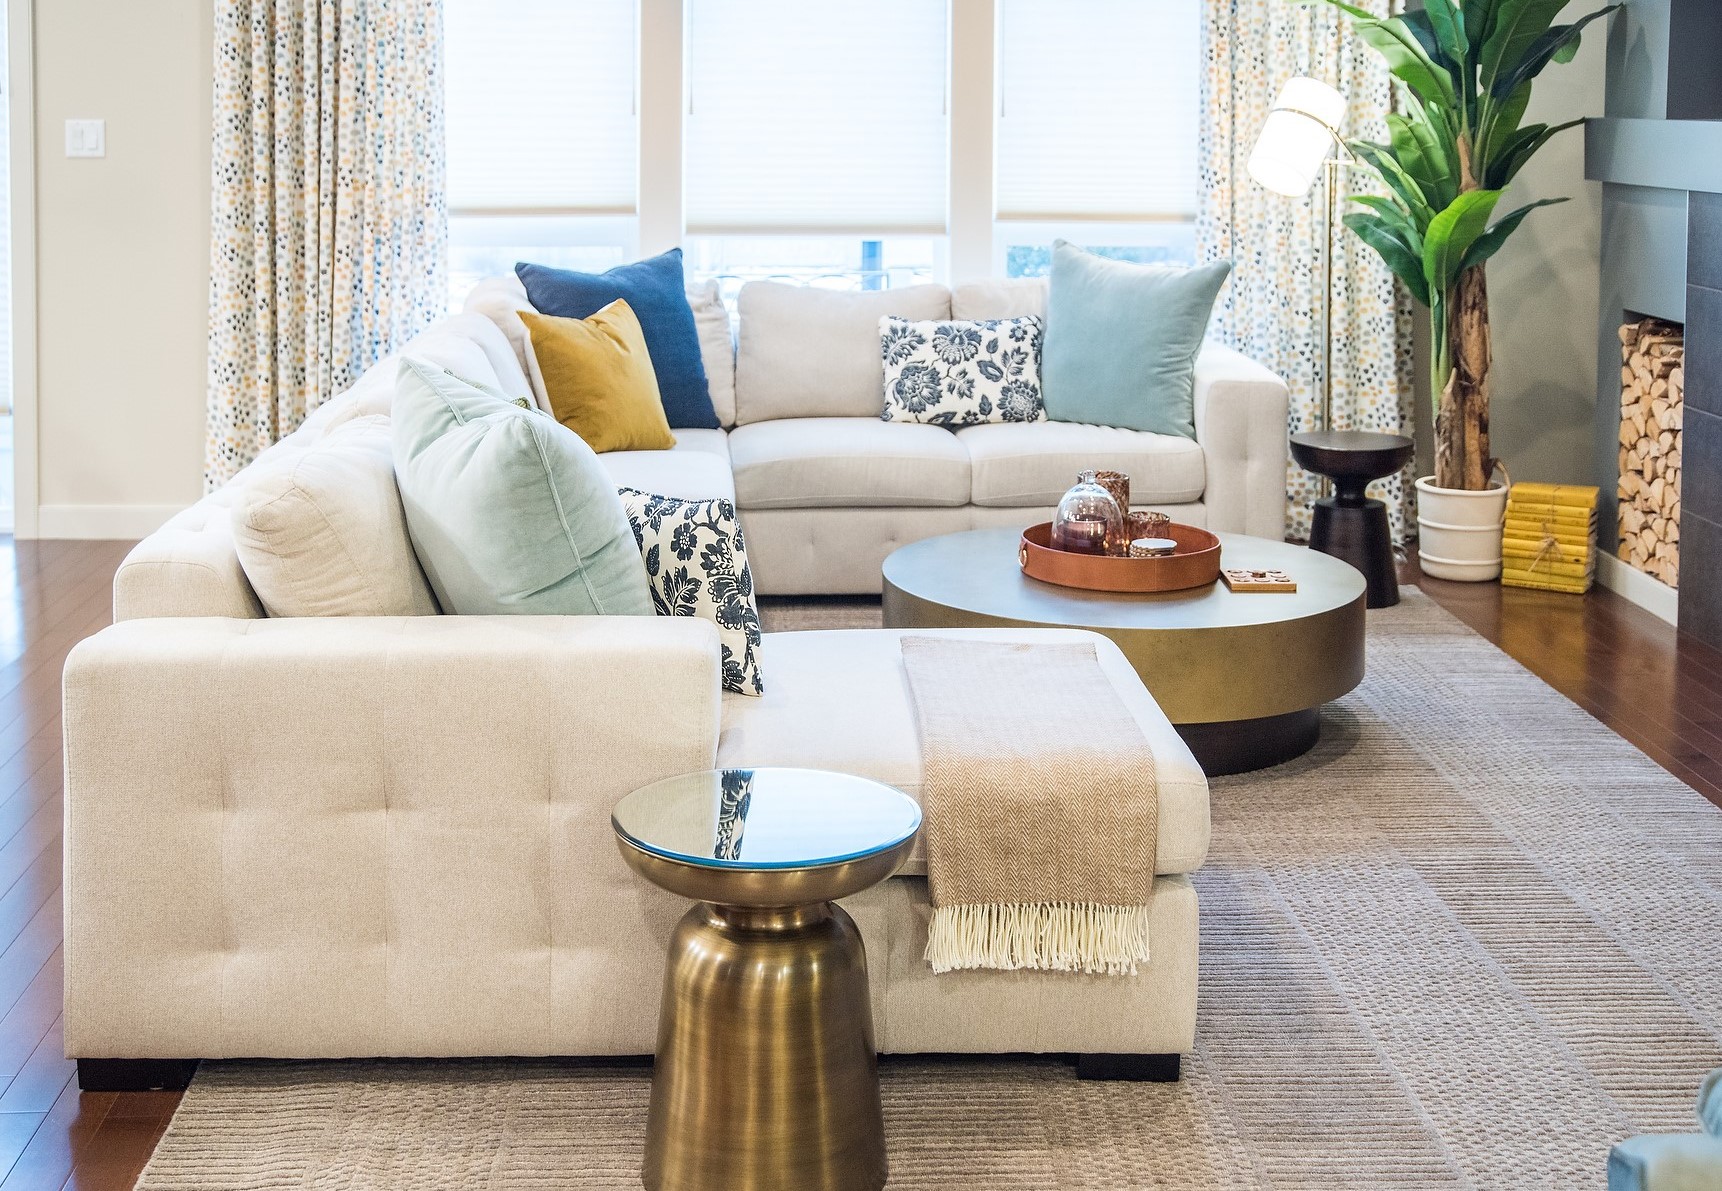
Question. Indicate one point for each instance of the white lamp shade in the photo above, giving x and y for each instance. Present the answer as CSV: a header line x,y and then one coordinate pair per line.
x,y
1297,136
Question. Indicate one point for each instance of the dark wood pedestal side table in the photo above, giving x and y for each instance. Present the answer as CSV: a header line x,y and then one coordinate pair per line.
x,y
1349,525
766,1075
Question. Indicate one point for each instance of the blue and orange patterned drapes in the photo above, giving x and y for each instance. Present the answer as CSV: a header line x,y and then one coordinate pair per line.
x,y
329,238
1272,307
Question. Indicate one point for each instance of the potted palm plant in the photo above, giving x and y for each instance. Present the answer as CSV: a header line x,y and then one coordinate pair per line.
x,y
1465,69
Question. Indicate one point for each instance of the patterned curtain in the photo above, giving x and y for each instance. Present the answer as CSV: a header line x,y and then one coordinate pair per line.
x,y
329,240
1271,310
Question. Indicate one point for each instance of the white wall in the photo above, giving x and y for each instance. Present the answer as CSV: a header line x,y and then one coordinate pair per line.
x,y
122,253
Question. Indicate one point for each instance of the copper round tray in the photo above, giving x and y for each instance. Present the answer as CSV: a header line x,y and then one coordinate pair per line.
x,y
1196,563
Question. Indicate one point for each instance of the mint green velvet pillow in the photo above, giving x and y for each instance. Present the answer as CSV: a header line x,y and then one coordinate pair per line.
x,y
1121,340
508,511
1666,1162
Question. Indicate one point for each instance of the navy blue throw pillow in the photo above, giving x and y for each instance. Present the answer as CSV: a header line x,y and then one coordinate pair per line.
x,y
654,289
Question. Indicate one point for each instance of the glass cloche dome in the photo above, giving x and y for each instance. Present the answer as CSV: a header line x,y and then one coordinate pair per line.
x,y
1088,520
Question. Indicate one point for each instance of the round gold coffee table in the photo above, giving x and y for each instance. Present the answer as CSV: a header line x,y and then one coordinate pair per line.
x,y
1242,676
766,1074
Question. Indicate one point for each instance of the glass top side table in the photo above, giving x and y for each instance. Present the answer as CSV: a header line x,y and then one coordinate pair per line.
x,y
766,1073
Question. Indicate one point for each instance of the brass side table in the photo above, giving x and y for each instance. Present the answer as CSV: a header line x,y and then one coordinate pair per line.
x,y
766,1074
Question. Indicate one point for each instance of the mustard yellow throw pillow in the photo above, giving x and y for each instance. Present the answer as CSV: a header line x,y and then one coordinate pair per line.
x,y
599,378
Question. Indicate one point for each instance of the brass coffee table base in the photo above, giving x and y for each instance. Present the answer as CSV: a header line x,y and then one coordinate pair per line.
x,y
766,1076
1239,746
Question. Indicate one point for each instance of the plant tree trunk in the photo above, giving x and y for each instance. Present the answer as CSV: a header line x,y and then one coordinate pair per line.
x,y
1462,458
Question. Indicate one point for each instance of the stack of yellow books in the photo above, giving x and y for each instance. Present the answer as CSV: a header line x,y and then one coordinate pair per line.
x,y
1549,540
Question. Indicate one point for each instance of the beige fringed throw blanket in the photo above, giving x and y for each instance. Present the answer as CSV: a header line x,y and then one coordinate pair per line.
x,y
1039,808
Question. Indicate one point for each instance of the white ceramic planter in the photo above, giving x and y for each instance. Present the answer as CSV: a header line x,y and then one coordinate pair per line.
x,y
1459,532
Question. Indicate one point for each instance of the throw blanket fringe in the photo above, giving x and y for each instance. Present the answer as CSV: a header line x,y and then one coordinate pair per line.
x,y
1047,936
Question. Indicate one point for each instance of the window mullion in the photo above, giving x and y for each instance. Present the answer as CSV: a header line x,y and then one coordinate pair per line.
x,y
661,72
973,66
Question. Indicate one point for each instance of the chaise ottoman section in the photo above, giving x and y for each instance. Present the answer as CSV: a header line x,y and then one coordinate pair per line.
x,y
840,700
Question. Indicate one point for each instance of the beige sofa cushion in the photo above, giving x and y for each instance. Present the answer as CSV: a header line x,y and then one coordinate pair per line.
x,y
320,531
1033,464
1000,297
717,347
501,299
802,463
697,468
806,352
864,723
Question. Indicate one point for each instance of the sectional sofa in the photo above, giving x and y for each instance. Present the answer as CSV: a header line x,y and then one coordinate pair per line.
x,y
826,489
338,837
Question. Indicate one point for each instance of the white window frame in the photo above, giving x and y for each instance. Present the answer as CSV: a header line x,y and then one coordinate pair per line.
x,y
1097,233
975,240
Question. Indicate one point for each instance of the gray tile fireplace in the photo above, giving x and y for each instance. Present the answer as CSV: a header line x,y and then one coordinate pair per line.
x,y
1658,153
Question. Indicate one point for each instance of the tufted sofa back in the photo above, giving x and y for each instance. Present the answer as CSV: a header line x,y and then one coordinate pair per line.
x,y
189,566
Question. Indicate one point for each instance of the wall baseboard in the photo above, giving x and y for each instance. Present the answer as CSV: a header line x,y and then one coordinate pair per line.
x,y
1652,595
102,522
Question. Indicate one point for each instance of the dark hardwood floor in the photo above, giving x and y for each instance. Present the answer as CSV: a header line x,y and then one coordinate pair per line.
x,y
1619,663
1626,667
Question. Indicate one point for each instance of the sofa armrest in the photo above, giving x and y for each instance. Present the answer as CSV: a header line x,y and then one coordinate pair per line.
x,y
188,567
340,811
1241,410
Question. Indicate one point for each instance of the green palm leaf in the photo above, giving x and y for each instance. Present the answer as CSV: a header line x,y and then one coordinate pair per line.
x,y
1395,217
1380,159
1489,243
1407,59
1517,25
1520,149
1451,234
1398,255
1449,25
1559,44
1480,20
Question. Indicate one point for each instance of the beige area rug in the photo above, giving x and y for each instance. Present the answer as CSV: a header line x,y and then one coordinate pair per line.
x,y
1470,941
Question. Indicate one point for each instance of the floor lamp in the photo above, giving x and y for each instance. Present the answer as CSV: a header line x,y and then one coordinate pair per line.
x,y
1295,148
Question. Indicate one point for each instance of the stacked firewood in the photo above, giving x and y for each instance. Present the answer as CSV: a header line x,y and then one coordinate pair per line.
x,y
1652,397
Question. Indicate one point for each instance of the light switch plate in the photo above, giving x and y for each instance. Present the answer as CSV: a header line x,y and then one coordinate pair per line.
x,y
86,138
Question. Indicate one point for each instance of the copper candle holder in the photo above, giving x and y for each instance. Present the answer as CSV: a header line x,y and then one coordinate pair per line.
x,y
1148,525
1117,483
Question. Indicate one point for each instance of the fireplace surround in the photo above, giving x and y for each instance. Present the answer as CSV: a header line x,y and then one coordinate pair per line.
x,y
1652,410
1658,153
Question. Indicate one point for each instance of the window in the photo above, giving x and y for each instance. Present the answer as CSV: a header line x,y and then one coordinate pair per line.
x,y
808,117
814,136
814,147
542,114
1096,128
833,262
543,134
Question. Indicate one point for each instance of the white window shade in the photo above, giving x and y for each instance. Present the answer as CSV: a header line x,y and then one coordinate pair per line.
x,y
816,115
1098,109
540,109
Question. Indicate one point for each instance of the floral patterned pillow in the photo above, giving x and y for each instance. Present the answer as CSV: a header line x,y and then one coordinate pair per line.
x,y
962,373
696,565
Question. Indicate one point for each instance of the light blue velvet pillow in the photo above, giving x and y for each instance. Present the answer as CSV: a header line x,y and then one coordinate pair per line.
x,y
509,512
1121,340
